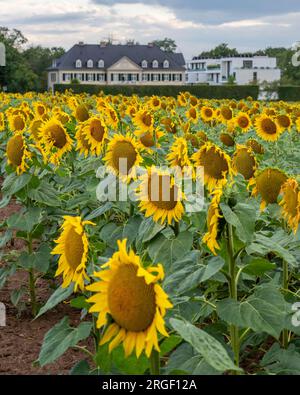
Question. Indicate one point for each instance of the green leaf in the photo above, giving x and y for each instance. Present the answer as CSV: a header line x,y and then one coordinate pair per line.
x,y
45,194
264,311
258,267
60,338
110,233
169,344
39,260
207,346
80,303
14,183
99,211
6,237
131,364
149,229
167,251
282,362
242,218
82,368
131,228
16,295
58,296
25,220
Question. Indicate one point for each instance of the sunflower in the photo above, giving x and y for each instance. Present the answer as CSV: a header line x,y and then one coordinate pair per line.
x,y
72,246
149,139
159,196
55,140
243,121
39,109
111,118
267,128
123,156
207,113
17,122
244,162
17,153
284,121
171,127
255,146
216,164
83,146
213,216
298,124
136,303
35,129
227,139
178,156
268,183
291,203
144,120
2,123
192,114
155,103
95,132
81,113
226,114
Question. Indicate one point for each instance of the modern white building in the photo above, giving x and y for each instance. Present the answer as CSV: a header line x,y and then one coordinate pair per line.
x,y
243,69
108,64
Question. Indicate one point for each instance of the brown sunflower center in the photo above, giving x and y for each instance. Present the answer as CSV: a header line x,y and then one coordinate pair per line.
x,y
74,248
208,112
244,163
35,129
227,139
284,121
19,123
147,140
214,163
97,130
268,126
131,301
193,113
146,119
161,193
269,183
226,113
243,122
58,136
123,154
82,113
15,150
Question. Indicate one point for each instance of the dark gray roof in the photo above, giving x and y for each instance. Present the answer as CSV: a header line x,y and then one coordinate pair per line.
x,y
112,53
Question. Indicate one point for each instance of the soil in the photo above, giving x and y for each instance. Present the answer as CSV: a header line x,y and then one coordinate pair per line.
x,y
21,339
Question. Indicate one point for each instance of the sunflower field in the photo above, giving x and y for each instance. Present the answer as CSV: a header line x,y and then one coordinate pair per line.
x,y
159,285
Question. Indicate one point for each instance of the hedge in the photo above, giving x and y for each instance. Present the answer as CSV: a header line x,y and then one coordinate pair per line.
x,y
237,92
289,93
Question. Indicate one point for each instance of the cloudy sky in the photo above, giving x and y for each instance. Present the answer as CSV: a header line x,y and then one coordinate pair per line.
x,y
196,25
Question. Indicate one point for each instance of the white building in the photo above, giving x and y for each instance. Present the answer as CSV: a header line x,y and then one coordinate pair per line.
x,y
108,64
244,69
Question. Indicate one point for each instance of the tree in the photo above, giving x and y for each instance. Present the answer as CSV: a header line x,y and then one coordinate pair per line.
x,y
167,44
220,51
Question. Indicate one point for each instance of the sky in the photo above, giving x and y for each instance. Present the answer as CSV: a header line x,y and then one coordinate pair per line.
x,y
196,25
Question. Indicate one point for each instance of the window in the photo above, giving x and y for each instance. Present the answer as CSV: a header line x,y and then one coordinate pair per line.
x,y
155,64
155,77
255,76
53,77
177,77
78,64
78,76
90,64
100,77
166,64
145,77
166,77
247,64
144,64
90,77
101,64
134,77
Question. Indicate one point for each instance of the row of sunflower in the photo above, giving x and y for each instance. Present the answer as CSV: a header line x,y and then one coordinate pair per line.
x,y
152,278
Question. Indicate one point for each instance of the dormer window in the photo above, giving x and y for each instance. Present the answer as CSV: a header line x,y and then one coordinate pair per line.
x,y
101,64
90,64
155,64
166,64
78,64
144,64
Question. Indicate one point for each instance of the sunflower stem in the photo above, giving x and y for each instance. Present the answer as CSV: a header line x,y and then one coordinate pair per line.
x,y
176,228
154,363
32,283
285,286
234,332
131,210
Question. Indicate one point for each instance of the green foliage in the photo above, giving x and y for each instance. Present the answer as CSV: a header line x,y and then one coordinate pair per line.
x,y
167,44
202,91
289,93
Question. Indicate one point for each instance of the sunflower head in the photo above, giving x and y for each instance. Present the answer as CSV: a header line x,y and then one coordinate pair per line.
x,y
291,203
81,113
159,196
268,183
17,153
227,139
17,122
144,120
244,162
226,113
136,303
213,218
243,121
267,128
72,246
216,164
284,121
207,113
255,146
123,156
94,132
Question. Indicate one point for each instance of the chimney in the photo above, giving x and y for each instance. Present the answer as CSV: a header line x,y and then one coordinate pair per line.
x,y
150,45
81,43
103,44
